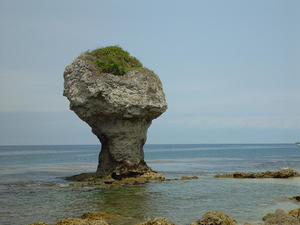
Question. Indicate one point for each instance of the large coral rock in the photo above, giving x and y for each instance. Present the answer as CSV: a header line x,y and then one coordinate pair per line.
x,y
215,218
156,221
119,109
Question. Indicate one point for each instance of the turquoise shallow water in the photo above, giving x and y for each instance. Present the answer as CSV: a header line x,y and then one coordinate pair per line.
x,y
32,188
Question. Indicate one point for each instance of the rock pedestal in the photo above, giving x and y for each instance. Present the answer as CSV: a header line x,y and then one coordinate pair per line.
x,y
122,142
119,109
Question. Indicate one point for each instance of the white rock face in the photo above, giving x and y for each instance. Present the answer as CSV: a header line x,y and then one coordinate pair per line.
x,y
119,109
137,94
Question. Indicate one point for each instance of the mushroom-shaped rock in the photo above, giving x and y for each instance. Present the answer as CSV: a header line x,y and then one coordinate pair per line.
x,y
118,98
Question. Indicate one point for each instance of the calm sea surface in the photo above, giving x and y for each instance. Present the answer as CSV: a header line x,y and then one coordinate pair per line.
x,y
32,186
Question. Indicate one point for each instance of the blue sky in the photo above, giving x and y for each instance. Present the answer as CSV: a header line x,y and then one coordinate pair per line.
x,y
230,69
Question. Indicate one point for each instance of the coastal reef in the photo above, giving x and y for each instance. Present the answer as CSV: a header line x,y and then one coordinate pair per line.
x,y
283,173
280,217
118,98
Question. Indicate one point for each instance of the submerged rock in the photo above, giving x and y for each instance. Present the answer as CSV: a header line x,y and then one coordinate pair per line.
x,y
215,218
78,221
156,221
150,176
283,173
118,102
189,178
88,218
38,223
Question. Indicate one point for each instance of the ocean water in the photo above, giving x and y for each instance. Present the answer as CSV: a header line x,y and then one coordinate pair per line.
x,y
32,187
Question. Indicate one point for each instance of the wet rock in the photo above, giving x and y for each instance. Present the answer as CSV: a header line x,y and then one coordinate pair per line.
x,y
150,176
189,178
283,173
38,223
95,215
280,217
156,221
88,218
119,109
78,221
295,198
215,218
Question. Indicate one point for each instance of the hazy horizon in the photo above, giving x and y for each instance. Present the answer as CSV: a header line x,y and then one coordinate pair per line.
x,y
230,69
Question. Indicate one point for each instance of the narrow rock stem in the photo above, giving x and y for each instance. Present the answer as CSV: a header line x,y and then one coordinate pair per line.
x,y
122,142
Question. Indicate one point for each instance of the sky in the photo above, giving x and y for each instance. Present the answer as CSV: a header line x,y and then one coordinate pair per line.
x,y
230,69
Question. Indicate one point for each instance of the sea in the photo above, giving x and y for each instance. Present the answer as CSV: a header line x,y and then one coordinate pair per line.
x,y
32,185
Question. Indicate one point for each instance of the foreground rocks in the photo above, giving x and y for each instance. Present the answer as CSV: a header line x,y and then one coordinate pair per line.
x,y
88,218
118,107
283,173
215,218
280,217
156,221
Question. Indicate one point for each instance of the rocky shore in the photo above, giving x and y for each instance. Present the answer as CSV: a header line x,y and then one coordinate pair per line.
x,y
283,173
91,179
279,217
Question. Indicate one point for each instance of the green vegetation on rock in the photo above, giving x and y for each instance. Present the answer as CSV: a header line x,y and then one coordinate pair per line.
x,y
113,59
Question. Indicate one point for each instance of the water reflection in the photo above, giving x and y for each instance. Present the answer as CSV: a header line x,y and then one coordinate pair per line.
x,y
135,203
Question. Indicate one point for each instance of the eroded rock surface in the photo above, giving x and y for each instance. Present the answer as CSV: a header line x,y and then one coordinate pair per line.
x,y
280,217
156,221
215,218
119,109
283,173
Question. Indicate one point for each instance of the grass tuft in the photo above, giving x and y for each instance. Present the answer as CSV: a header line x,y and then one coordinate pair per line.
x,y
113,59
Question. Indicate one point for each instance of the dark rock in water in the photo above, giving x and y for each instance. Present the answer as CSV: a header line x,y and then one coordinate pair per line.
x,y
282,218
215,218
118,108
156,221
283,173
295,198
